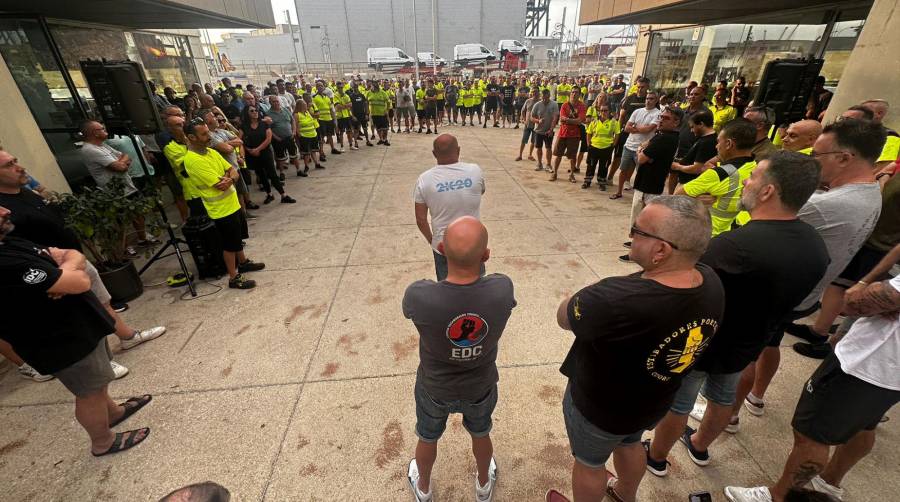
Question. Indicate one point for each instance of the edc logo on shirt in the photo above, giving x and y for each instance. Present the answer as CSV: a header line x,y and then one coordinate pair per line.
x,y
465,332
34,276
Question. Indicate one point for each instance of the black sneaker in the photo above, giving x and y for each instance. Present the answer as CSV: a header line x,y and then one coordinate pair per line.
x,y
700,458
287,199
586,184
516,127
602,186
428,131
380,142
119,307
302,174
320,166
625,259
336,152
251,205
813,350
369,143
281,176
387,143
241,282
495,125
269,198
322,159
805,332
484,126
656,467
627,245
250,266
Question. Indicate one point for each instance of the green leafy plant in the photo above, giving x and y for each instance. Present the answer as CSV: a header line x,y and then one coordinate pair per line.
x,y
102,219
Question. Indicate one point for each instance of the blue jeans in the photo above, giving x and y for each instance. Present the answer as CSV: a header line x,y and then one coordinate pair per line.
x,y
432,414
717,388
440,266
591,445
629,159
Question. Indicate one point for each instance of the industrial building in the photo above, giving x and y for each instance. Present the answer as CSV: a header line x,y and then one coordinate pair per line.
x,y
340,32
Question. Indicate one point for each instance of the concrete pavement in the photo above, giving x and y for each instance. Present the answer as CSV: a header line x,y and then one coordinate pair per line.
x,y
302,388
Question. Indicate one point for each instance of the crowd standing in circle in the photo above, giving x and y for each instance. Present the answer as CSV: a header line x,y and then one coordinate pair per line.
x,y
740,228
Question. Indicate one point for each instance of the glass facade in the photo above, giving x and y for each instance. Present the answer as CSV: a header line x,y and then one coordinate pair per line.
x,y
724,52
41,64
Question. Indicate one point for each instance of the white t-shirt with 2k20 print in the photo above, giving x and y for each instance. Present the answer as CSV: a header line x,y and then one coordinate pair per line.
x,y
450,191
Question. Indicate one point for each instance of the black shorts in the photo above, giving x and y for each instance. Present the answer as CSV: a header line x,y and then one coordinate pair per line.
x,y
584,143
360,121
344,124
543,139
862,263
232,229
440,105
326,128
508,109
380,121
420,113
430,112
835,406
490,106
308,145
777,335
284,149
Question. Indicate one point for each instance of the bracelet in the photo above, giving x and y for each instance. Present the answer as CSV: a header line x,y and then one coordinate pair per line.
x,y
864,283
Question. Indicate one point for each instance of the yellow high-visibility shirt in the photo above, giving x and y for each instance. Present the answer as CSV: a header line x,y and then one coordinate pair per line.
x,y
206,170
725,182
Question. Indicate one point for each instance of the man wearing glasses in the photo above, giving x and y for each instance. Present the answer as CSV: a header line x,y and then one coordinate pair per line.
x,y
636,337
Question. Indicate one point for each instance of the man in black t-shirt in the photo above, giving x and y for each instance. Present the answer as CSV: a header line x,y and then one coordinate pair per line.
x,y
508,93
492,102
636,337
49,286
654,161
767,267
689,164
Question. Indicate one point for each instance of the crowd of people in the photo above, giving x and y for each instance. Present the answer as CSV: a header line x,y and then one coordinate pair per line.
x,y
740,226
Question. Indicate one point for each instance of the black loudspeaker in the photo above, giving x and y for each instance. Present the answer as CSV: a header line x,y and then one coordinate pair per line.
x,y
786,86
122,95
205,244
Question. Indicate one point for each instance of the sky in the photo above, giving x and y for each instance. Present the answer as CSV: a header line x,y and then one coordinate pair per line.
x,y
589,34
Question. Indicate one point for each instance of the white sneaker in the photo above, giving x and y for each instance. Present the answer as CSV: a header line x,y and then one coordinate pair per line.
x,y
820,485
141,337
755,494
755,405
486,493
118,369
26,371
734,425
412,475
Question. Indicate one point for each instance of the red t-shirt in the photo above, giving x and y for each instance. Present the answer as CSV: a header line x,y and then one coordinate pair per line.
x,y
570,130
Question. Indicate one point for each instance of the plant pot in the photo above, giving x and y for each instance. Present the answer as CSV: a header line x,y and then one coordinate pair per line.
x,y
123,282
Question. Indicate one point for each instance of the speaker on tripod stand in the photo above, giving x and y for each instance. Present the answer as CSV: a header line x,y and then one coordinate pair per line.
x,y
123,98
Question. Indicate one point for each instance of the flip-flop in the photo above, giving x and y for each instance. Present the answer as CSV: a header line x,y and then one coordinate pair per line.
x,y
132,405
611,487
121,443
554,496
615,196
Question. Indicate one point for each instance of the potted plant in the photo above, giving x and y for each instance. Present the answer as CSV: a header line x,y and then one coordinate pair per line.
x,y
102,219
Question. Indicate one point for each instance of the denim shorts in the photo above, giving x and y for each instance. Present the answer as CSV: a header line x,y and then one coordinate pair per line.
x,y
526,134
432,414
718,388
629,159
591,445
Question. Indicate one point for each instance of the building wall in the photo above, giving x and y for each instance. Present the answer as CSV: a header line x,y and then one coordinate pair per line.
x,y
356,25
256,11
871,71
269,49
19,134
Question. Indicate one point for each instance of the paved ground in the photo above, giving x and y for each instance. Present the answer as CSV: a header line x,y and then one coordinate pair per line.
x,y
302,388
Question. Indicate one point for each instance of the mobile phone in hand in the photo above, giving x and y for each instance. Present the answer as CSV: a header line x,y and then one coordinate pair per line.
x,y
700,497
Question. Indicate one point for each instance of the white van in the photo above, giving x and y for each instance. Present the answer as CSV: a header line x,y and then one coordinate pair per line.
x,y
511,47
428,59
472,54
381,58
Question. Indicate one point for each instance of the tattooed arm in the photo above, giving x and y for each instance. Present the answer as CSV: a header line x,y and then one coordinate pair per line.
x,y
876,298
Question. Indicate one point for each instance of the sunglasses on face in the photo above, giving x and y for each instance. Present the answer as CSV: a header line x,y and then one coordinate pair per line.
x,y
637,231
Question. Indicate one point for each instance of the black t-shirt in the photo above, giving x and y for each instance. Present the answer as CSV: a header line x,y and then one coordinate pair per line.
x,y
630,104
618,97
38,221
509,93
767,268
450,92
431,93
634,340
359,105
703,149
492,88
651,177
686,136
50,335
255,137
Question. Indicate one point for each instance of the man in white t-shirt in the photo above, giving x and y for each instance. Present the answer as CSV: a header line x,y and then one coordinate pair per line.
x,y
641,126
844,400
449,190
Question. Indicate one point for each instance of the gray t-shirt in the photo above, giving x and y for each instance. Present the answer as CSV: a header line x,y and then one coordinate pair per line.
x,y
545,112
527,107
450,191
224,136
844,217
281,122
96,158
459,327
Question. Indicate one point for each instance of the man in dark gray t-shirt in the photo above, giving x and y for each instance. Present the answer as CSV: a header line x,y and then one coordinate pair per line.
x,y
460,321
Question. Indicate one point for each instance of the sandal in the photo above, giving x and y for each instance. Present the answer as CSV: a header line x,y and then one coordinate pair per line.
x,y
552,177
611,487
132,406
129,442
615,196
572,179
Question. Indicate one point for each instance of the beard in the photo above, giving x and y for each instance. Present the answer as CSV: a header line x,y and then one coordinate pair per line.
x,y
748,200
6,227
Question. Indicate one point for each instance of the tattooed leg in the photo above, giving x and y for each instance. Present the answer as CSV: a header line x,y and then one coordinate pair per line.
x,y
807,459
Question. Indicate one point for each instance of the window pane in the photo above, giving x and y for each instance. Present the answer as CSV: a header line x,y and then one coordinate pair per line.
x,y
27,54
166,59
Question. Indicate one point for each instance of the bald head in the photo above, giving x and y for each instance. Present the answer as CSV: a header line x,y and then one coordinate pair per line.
x,y
465,243
801,134
446,149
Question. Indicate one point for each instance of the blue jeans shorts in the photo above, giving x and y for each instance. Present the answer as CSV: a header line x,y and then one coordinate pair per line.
x,y
719,388
629,159
432,414
591,445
